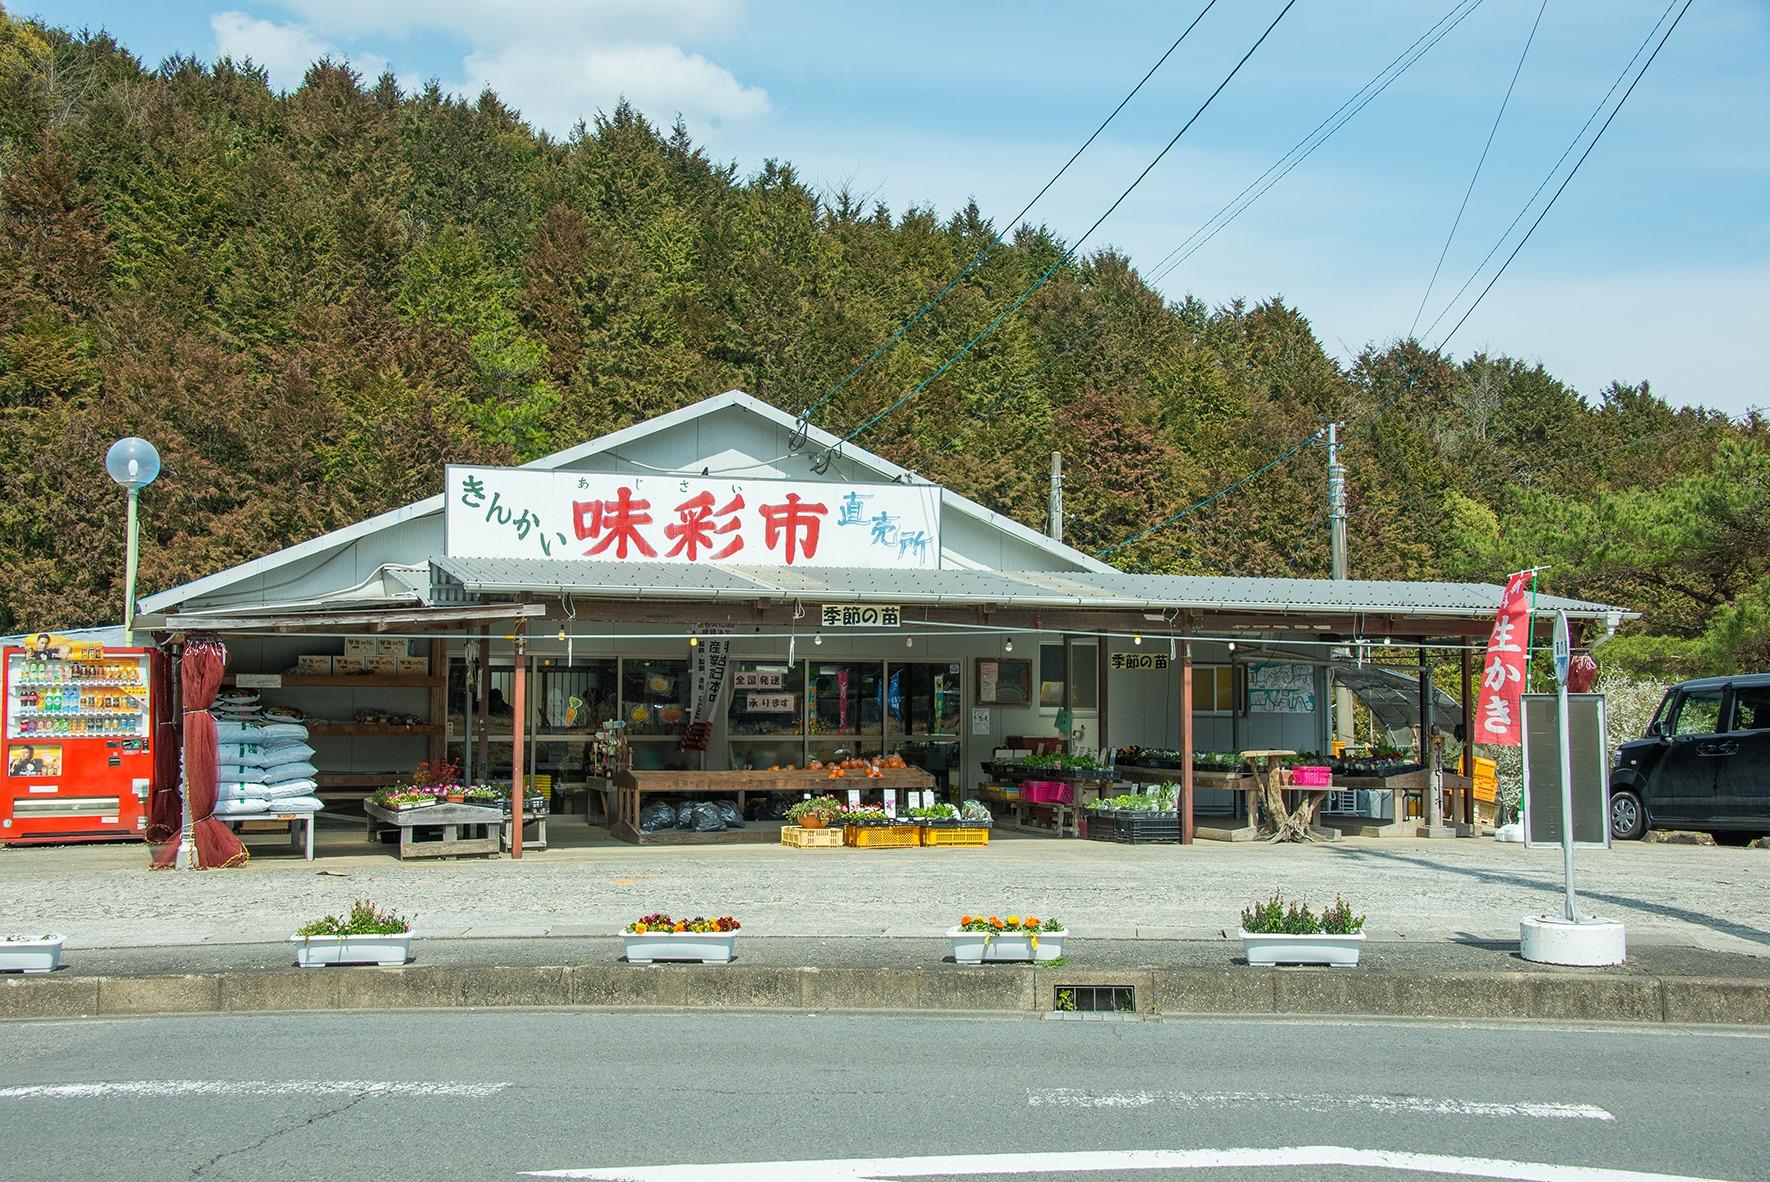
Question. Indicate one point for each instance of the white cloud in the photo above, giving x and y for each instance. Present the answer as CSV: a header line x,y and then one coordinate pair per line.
x,y
284,50
556,61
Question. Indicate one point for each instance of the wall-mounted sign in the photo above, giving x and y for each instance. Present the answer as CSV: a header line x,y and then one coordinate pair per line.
x,y
860,615
759,679
1281,689
768,703
1139,661
1002,682
528,513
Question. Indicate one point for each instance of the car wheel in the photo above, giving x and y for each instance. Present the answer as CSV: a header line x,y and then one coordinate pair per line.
x,y
1733,837
1628,820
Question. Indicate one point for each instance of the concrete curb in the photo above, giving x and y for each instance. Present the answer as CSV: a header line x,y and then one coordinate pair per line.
x,y
1009,989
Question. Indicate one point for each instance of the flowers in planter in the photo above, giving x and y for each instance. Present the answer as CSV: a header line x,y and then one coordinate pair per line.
x,y
662,923
866,815
15,938
363,919
821,807
1015,925
1275,916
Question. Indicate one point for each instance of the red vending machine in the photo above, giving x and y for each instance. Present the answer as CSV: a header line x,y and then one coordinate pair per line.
x,y
78,751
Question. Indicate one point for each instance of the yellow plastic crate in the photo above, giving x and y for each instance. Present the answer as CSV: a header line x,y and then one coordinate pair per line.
x,y
955,835
811,839
880,837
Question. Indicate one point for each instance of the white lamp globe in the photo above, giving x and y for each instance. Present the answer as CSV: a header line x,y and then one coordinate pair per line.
x,y
132,463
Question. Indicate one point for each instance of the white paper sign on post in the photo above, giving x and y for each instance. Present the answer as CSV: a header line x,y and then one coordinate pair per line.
x,y
854,798
891,801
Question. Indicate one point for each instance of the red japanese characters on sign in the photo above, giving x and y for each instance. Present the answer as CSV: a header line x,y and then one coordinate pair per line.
x,y
604,517
1499,719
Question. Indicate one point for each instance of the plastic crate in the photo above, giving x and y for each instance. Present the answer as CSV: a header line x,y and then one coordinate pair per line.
x,y
1311,775
1047,792
799,837
880,837
954,835
1133,827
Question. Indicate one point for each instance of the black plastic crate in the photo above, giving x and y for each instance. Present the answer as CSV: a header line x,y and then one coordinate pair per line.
x,y
1134,827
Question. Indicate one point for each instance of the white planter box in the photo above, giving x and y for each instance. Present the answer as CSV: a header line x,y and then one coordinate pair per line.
x,y
312,952
31,956
1338,951
706,947
978,947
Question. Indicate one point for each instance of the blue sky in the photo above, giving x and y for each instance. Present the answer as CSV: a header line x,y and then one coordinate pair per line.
x,y
1654,265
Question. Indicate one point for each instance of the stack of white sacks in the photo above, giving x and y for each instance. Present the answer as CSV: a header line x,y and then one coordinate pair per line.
x,y
265,764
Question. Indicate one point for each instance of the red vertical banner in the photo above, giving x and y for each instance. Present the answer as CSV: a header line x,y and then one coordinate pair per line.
x,y
1499,718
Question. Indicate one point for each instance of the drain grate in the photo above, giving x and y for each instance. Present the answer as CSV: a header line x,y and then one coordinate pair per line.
x,y
1094,999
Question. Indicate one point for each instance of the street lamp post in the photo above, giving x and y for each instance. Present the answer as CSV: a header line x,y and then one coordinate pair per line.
x,y
134,464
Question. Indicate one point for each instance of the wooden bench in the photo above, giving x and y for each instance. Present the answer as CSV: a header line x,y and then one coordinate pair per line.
x,y
450,818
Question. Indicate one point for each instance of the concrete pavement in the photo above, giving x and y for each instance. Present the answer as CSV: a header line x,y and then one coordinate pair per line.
x,y
587,886
605,1095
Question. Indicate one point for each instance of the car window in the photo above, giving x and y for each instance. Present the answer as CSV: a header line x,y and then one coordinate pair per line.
x,y
1699,713
1751,708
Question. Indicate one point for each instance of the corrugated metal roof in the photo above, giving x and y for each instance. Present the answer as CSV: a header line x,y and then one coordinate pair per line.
x,y
659,580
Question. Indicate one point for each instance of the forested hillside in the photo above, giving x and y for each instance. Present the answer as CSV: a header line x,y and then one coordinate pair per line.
x,y
310,301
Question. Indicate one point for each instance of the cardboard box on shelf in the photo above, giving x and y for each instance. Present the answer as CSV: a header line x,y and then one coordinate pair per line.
x,y
382,666
313,665
414,666
360,646
392,648
347,665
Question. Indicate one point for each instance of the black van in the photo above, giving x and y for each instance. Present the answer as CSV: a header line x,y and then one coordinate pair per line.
x,y
1704,765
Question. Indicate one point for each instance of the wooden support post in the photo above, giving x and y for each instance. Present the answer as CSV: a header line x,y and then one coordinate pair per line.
x,y
439,704
1468,737
1100,700
519,712
484,696
1186,742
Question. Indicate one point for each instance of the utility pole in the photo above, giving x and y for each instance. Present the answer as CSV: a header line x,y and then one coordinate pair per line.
x,y
1054,526
1341,696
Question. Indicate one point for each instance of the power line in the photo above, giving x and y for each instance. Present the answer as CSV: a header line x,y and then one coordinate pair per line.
x,y
995,239
1236,206
1061,258
1553,169
1467,193
1574,171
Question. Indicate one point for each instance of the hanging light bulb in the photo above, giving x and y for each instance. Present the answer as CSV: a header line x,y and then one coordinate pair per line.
x,y
1232,646
909,642
562,631
817,638
694,642
1008,645
1137,639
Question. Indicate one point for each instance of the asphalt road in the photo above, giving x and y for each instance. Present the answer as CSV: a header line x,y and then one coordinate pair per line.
x,y
488,1095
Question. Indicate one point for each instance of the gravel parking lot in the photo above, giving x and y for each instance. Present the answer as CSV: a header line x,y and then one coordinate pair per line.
x,y
1473,888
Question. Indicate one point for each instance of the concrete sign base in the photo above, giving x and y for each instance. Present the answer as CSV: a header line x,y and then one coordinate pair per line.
x,y
1549,939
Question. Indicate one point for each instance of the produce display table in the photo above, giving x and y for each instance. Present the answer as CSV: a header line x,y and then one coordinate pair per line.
x,y
535,808
451,818
1287,824
293,820
1415,783
1065,818
632,787
1207,781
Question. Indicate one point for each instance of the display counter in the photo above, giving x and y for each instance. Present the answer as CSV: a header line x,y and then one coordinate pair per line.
x,y
631,787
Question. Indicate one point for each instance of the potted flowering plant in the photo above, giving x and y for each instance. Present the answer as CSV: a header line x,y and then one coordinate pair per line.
x,y
364,935
1277,932
814,812
30,954
444,777
404,796
980,938
866,815
659,937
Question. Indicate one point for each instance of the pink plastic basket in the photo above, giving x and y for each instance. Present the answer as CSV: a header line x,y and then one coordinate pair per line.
x,y
1048,792
1308,775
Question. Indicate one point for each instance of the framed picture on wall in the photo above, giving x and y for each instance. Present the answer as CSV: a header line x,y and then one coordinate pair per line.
x,y
1002,682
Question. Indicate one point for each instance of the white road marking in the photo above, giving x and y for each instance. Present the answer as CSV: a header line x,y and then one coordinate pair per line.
x,y
1027,1164
157,1089
1410,1105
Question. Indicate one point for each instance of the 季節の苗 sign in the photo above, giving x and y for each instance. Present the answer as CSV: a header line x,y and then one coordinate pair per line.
x,y
524,513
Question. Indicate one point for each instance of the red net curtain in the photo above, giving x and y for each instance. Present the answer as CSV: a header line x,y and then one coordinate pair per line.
x,y
165,812
199,679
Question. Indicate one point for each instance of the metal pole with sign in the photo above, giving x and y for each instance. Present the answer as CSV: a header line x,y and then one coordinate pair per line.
x,y
1570,938
1563,653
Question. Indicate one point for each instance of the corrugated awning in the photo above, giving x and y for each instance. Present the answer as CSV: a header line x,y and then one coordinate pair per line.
x,y
460,577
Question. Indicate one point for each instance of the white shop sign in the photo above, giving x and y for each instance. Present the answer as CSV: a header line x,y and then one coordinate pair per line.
x,y
769,703
524,513
759,679
861,615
